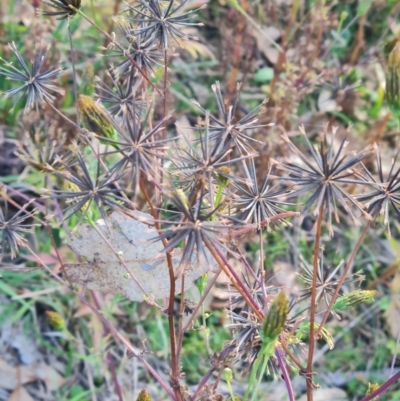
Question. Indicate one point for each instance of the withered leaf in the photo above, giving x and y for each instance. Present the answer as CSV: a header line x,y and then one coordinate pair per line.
x,y
145,262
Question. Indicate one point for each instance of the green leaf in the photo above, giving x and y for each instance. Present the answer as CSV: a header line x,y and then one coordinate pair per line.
x,y
363,7
264,75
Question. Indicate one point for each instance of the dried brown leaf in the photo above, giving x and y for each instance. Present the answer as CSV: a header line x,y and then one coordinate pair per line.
x,y
20,394
144,258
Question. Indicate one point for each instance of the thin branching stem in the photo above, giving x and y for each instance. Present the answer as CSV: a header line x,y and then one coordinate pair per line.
x,y
261,269
73,69
109,358
107,324
175,366
343,277
200,303
383,388
285,373
235,280
313,302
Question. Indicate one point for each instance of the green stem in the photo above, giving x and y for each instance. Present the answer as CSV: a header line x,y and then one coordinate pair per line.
x,y
266,351
228,383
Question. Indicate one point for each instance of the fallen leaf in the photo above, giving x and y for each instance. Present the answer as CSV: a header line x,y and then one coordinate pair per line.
x,y
20,394
49,375
145,260
12,377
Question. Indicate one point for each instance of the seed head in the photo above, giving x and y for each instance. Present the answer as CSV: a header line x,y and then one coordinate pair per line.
x,y
12,230
35,82
64,8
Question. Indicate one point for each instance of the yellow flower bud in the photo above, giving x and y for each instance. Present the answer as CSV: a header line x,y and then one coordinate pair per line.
x,y
70,186
371,389
353,299
222,180
392,52
275,319
95,118
55,320
143,396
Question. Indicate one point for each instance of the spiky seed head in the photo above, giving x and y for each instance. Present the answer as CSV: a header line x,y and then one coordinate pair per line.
x,y
64,8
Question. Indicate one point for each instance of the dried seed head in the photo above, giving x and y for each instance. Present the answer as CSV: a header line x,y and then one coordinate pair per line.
x,y
35,82
64,8
11,230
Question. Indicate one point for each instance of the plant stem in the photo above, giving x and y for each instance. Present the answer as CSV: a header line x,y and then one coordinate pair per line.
x,y
313,303
383,388
175,366
285,374
73,70
235,280
203,297
343,277
261,269
108,325
267,350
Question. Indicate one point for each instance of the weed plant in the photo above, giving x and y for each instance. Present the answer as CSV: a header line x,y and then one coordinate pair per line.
x,y
208,187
